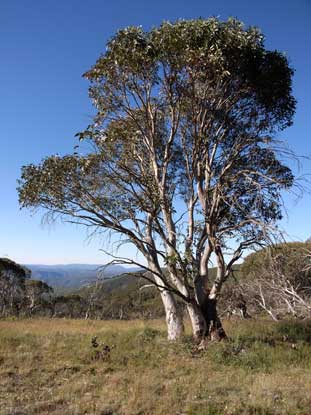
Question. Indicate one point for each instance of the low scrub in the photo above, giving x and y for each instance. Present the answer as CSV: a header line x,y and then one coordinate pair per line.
x,y
295,330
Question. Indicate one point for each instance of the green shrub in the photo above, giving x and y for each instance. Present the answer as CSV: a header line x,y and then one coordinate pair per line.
x,y
295,330
148,334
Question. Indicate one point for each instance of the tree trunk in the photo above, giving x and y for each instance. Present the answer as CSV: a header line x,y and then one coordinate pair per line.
x,y
175,326
214,329
206,325
197,320
207,301
174,321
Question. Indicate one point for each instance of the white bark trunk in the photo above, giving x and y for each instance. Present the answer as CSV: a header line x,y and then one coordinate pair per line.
x,y
174,321
197,320
175,327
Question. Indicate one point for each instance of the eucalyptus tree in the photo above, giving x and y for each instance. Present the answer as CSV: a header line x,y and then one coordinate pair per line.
x,y
12,286
182,161
38,295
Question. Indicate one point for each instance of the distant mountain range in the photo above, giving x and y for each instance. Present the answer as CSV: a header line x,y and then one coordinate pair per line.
x,y
75,275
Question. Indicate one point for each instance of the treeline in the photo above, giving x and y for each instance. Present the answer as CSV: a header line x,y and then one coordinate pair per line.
x,y
273,281
20,295
122,297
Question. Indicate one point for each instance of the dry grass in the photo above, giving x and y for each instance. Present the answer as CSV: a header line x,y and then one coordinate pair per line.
x,y
47,367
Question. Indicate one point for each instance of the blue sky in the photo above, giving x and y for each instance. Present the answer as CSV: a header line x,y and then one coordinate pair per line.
x,y
47,45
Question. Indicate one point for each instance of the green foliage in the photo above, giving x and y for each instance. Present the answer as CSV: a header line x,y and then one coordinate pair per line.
x,y
39,285
191,53
121,297
8,266
295,331
200,48
149,334
12,286
291,257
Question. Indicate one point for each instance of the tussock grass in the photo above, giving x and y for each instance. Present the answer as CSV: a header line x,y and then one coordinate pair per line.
x,y
48,367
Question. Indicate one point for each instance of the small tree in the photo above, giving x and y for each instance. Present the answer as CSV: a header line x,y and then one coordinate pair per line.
x,y
12,286
38,295
182,162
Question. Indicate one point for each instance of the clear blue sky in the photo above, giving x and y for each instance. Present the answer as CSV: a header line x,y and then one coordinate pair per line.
x,y
46,46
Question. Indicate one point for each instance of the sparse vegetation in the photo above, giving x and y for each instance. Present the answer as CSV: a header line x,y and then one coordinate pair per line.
x,y
277,280
48,367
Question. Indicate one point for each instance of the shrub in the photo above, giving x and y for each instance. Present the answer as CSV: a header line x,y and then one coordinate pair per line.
x,y
295,330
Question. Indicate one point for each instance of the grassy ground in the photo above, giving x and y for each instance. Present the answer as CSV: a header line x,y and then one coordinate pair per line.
x,y
49,367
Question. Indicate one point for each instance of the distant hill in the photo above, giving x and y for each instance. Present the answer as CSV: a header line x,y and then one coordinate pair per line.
x,y
123,296
118,295
131,296
72,276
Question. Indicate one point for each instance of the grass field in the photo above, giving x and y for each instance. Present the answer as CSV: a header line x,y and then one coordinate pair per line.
x,y
49,367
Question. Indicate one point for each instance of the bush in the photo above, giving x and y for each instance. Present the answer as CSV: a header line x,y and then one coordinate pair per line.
x,y
295,330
